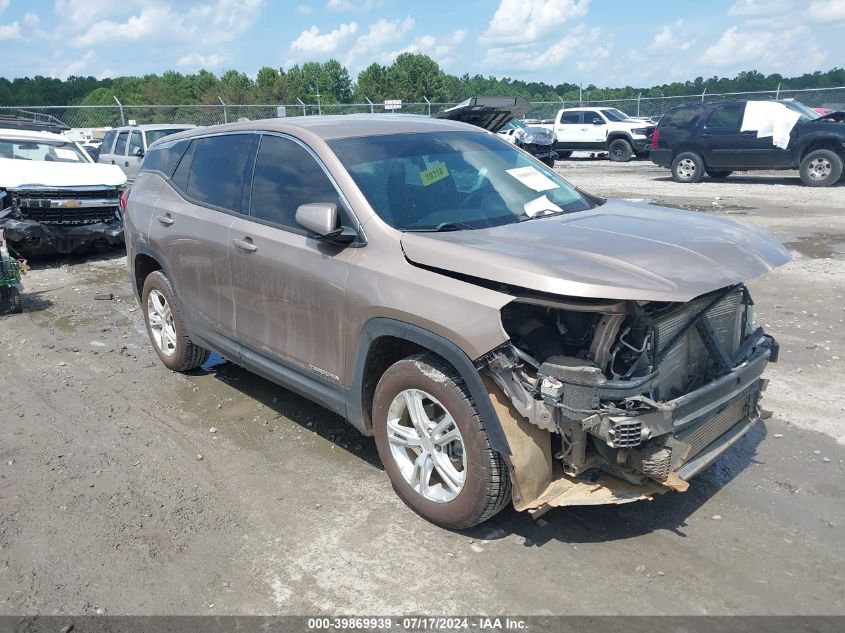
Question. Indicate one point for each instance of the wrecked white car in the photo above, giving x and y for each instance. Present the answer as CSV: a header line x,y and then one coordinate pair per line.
x,y
53,198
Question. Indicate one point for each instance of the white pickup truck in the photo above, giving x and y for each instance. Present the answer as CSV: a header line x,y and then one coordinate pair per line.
x,y
601,129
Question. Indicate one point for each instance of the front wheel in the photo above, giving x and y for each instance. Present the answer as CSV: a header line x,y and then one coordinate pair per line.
x,y
821,168
549,162
687,167
620,151
433,445
563,155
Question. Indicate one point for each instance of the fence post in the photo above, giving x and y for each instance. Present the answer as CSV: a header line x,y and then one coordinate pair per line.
x,y
225,114
777,94
120,105
371,104
704,92
302,104
429,104
639,96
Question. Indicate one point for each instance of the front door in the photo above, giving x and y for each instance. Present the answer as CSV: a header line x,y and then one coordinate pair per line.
x,y
594,130
289,288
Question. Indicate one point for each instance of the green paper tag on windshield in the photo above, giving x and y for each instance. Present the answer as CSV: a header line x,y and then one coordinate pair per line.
x,y
437,171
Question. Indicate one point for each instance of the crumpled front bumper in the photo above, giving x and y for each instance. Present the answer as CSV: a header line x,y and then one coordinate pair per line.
x,y
31,238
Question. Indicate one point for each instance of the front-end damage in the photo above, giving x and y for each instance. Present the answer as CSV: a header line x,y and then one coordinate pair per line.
x,y
607,401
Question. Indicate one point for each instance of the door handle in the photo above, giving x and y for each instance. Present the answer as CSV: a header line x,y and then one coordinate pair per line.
x,y
112,162
245,245
749,134
166,220
126,164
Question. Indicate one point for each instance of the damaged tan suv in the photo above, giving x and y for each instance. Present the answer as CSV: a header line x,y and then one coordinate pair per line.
x,y
503,335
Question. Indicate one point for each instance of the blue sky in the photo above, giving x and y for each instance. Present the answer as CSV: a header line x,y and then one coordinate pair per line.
x,y
605,42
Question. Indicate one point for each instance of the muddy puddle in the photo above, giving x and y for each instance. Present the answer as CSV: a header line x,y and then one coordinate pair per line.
x,y
818,246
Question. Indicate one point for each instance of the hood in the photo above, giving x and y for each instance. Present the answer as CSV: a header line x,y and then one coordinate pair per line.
x,y
620,250
489,113
19,173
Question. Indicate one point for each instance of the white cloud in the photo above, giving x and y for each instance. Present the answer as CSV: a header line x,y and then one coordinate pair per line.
x,y
312,42
583,47
31,20
348,5
787,51
4,4
75,67
527,21
762,8
438,48
10,31
671,38
304,9
827,11
195,61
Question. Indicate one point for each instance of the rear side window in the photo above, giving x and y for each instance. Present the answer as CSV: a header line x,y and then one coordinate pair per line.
x,y
287,176
725,117
218,168
570,117
679,117
108,142
120,146
164,158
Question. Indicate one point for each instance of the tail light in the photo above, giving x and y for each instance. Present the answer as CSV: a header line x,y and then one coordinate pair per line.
x,y
124,198
654,138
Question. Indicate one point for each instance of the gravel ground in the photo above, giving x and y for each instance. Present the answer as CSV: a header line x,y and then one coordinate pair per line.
x,y
128,489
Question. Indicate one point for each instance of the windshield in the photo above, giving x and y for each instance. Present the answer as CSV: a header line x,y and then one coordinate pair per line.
x,y
453,181
154,135
59,152
615,115
806,112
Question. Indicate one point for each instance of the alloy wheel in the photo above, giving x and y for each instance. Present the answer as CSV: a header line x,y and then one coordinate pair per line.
x,y
819,169
160,318
686,168
426,445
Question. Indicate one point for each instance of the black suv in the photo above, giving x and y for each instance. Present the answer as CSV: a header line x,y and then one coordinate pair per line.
x,y
699,138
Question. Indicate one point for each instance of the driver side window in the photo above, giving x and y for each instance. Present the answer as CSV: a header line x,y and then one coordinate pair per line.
x,y
593,118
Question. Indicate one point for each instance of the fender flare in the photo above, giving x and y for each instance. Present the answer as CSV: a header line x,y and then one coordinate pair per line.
x,y
613,136
144,249
382,326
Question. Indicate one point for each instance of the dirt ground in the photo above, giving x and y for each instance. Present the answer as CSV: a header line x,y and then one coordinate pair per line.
x,y
128,489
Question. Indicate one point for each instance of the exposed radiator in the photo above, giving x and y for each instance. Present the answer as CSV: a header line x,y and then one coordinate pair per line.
x,y
684,366
705,432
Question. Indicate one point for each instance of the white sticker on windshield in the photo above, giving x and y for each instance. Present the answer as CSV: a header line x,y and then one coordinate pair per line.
x,y
65,154
541,205
532,178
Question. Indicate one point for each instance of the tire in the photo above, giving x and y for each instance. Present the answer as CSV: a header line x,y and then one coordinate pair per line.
x,y
821,168
620,151
480,481
17,301
715,173
563,155
687,167
166,328
549,162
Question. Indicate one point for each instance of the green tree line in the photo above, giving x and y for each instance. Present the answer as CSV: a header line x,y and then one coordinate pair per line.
x,y
410,77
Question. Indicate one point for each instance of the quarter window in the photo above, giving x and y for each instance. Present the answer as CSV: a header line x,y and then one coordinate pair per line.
x,y
217,170
287,176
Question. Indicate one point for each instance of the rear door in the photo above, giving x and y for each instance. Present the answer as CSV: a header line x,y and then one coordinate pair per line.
x,y
289,288
568,129
191,225
119,149
107,147
720,136
132,160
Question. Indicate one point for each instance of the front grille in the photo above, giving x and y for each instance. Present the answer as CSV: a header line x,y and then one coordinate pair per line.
x,y
80,215
685,363
702,434
627,434
64,194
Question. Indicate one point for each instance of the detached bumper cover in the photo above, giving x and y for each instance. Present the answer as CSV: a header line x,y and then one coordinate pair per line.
x,y
34,238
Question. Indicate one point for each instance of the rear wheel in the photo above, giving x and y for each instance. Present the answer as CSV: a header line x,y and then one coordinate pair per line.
x,y
563,154
688,167
549,161
433,444
821,168
620,151
166,328
715,173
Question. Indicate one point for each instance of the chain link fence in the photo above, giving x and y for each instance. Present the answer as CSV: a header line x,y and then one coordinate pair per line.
x,y
112,116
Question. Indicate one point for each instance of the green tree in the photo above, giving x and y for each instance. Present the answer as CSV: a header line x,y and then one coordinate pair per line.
x,y
372,83
413,76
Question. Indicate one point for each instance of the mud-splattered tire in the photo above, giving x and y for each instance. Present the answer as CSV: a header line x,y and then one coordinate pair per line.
x,y
166,328
425,382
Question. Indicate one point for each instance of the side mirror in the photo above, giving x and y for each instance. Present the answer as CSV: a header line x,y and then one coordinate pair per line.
x,y
139,152
598,122
321,219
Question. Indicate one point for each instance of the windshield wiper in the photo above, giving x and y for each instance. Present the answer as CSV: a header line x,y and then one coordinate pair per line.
x,y
545,213
440,228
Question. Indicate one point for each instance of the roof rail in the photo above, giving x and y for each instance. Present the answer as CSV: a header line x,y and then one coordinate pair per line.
x,y
34,121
